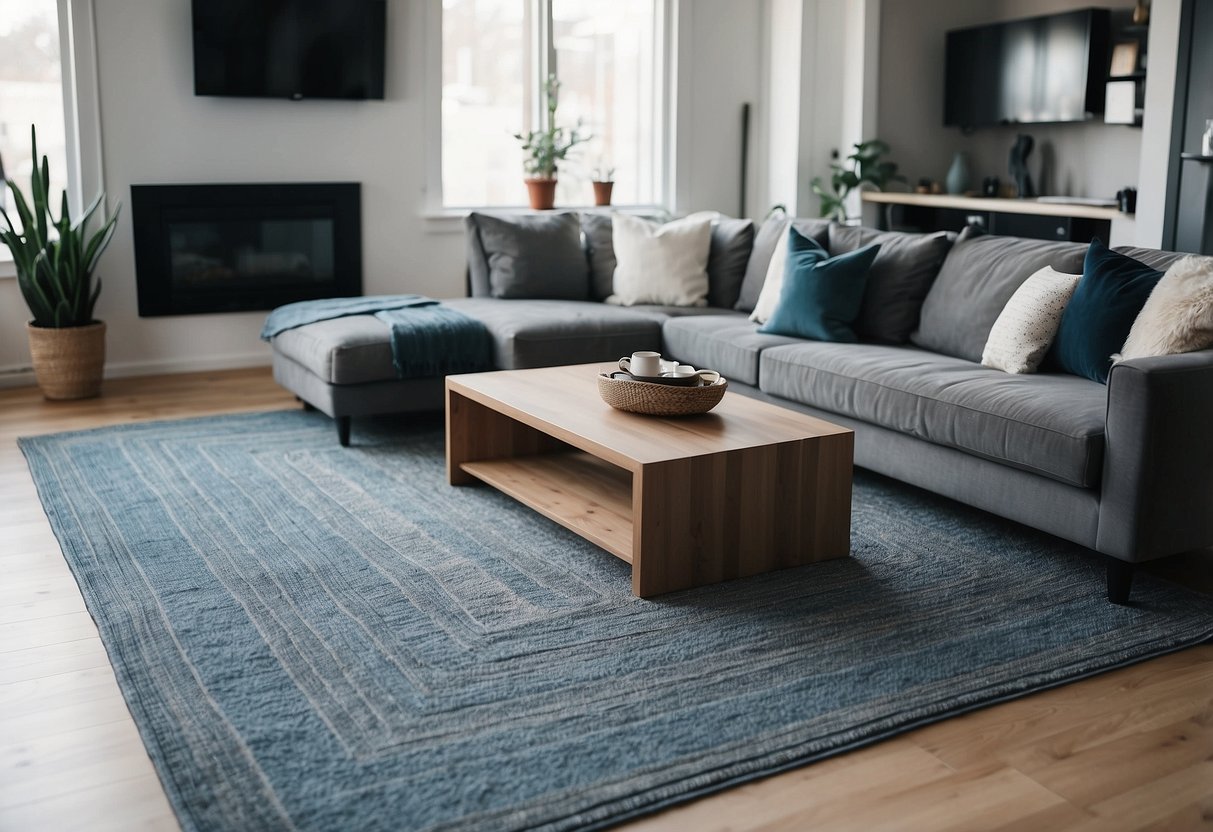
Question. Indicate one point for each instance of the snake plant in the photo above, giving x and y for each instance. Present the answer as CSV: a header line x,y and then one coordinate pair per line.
x,y
55,259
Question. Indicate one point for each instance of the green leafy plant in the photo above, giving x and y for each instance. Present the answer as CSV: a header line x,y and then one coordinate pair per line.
x,y
54,270
865,166
552,144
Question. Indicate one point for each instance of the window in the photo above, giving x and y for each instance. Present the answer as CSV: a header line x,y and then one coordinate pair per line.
x,y
607,57
31,93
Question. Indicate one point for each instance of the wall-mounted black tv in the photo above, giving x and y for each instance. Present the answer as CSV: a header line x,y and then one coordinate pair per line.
x,y
1042,70
289,48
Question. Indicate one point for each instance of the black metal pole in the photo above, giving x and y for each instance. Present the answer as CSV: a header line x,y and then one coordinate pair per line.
x,y
745,153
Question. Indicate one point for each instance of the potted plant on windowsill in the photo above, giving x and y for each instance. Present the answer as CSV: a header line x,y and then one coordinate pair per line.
x,y
604,183
545,148
55,260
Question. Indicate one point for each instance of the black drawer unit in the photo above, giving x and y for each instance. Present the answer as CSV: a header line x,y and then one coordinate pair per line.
x,y
1034,226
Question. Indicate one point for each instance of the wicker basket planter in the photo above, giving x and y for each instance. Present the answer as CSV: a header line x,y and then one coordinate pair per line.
x,y
68,362
659,399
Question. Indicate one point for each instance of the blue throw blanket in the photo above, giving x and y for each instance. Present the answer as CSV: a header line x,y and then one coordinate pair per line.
x,y
428,339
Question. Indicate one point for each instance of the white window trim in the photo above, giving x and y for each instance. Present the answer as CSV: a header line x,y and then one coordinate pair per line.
x,y
449,218
81,112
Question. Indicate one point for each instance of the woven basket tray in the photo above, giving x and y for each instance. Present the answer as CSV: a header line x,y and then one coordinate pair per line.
x,y
659,399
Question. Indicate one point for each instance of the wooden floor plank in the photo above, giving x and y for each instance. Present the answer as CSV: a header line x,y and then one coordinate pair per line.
x,y
1125,750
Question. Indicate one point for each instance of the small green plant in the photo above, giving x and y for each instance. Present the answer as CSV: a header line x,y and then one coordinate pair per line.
x,y
865,166
603,173
54,271
552,144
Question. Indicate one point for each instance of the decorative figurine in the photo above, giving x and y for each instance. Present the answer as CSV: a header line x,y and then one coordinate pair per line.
x,y
1019,166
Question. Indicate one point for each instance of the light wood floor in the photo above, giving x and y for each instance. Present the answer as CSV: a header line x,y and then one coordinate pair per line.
x,y
1132,749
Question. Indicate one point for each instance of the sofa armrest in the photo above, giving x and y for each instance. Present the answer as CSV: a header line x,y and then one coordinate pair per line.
x,y
1157,492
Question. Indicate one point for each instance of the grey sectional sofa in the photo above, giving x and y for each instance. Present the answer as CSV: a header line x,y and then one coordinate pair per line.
x,y
1125,469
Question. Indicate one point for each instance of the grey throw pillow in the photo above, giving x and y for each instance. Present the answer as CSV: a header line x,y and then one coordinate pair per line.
x,y
978,277
599,247
534,255
770,234
898,281
732,241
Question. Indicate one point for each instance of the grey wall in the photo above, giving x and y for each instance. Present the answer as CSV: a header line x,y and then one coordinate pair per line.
x,y
1087,159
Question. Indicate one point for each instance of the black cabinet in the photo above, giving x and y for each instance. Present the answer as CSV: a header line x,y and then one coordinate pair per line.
x,y
1007,224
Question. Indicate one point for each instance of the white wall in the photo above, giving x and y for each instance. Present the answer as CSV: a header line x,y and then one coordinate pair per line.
x,y
819,95
1087,159
154,130
719,49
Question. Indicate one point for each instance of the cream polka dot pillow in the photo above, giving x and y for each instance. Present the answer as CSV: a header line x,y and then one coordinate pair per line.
x,y
1028,324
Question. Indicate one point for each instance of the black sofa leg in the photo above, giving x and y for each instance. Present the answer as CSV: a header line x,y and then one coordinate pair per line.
x,y
343,430
308,407
1120,580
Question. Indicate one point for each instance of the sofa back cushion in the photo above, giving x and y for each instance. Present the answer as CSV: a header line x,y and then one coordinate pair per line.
x,y
771,234
732,242
600,249
530,255
898,280
1152,257
977,278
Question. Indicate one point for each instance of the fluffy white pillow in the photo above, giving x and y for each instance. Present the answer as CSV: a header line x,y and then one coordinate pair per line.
x,y
1028,323
772,285
1178,315
665,264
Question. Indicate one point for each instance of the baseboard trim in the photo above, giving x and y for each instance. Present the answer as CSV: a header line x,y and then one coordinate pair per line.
x,y
24,376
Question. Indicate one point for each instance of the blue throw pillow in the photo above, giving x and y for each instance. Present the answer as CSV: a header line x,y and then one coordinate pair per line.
x,y
1095,324
821,295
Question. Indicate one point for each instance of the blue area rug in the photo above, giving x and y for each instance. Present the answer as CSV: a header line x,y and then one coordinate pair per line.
x,y
318,638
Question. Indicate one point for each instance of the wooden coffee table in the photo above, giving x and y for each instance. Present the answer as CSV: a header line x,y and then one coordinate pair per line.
x,y
689,501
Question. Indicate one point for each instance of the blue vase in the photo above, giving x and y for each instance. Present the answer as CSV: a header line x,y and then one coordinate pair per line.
x,y
960,178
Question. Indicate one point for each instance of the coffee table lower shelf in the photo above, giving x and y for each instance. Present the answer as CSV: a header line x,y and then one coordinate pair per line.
x,y
586,495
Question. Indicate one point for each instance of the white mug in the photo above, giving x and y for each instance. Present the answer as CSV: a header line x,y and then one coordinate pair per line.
x,y
683,371
643,364
708,377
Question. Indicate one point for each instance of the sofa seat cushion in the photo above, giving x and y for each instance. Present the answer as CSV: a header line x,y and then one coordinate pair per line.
x,y
1049,424
664,313
547,333
352,350
729,344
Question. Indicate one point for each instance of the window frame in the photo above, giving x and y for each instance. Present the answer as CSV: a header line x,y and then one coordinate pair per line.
x,y
81,112
440,215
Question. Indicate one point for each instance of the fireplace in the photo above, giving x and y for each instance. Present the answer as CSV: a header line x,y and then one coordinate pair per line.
x,y
232,248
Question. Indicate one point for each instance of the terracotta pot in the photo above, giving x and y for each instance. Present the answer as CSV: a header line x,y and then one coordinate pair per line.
x,y
602,192
68,362
542,193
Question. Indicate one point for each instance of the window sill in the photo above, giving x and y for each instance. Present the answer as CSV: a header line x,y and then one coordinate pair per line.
x,y
450,220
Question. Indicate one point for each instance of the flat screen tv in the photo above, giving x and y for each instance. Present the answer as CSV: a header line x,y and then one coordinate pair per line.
x,y
1042,70
289,48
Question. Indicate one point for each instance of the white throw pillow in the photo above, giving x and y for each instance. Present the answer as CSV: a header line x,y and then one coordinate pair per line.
x,y
665,264
1178,315
772,285
1028,323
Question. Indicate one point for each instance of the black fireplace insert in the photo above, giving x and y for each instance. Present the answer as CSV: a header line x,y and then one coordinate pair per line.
x,y
233,248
